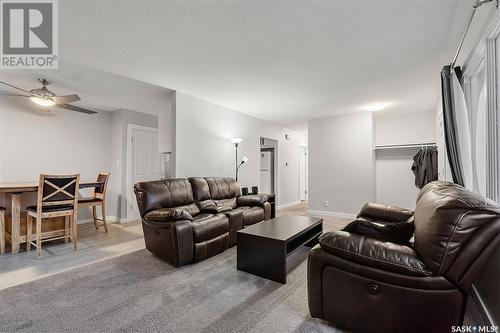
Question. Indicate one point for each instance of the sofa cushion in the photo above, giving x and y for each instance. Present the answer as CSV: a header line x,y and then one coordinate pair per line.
x,y
371,252
168,214
207,226
251,215
223,191
201,191
215,209
191,209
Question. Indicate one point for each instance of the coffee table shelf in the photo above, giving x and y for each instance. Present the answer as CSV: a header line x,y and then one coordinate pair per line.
x,y
263,247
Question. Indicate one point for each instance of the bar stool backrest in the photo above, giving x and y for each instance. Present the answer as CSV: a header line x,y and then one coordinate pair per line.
x,y
103,178
58,190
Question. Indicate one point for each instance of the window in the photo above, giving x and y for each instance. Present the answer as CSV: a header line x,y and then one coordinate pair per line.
x,y
482,93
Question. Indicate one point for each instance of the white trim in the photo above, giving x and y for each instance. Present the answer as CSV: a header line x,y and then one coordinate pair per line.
x,y
275,162
492,146
289,204
304,172
321,213
128,181
492,32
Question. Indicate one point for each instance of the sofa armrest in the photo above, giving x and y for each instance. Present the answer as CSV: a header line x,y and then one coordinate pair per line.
x,y
371,252
182,233
167,215
215,209
251,200
384,213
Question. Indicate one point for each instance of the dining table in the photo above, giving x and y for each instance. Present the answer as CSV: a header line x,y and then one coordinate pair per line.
x,y
15,190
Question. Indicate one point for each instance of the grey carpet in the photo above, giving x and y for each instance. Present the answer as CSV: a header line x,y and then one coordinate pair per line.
x,y
138,292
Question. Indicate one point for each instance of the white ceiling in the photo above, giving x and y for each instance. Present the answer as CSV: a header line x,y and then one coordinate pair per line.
x,y
280,61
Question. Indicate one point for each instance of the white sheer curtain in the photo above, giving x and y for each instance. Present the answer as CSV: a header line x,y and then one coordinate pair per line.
x,y
480,142
464,133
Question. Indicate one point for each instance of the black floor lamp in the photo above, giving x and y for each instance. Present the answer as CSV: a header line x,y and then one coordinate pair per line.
x,y
236,142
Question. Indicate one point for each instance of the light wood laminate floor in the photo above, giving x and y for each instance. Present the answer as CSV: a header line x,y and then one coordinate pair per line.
x,y
96,245
93,246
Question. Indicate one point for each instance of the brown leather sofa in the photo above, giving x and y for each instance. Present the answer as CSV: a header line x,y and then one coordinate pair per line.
x,y
365,285
189,220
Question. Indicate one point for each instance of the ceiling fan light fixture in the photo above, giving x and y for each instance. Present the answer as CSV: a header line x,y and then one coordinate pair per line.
x,y
42,101
374,107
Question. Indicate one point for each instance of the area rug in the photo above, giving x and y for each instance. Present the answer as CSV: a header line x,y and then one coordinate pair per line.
x,y
139,293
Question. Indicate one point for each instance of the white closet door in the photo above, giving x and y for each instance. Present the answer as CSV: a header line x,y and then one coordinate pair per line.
x,y
146,161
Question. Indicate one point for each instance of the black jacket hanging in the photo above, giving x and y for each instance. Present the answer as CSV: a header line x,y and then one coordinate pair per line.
x,y
425,166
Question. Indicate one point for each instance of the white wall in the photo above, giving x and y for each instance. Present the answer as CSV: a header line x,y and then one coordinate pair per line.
x,y
62,142
59,142
394,178
341,163
34,142
118,183
202,145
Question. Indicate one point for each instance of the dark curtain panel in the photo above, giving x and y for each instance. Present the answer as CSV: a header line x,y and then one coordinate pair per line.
x,y
450,128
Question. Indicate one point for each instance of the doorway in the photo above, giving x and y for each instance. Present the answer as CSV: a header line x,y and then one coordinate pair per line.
x,y
267,170
303,166
268,165
143,161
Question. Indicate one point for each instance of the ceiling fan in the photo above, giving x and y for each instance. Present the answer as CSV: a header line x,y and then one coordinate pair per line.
x,y
44,97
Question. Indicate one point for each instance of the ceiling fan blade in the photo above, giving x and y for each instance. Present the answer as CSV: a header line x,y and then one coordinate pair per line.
x,y
11,94
76,108
10,85
66,99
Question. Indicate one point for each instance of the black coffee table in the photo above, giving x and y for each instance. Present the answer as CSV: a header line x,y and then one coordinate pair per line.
x,y
263,247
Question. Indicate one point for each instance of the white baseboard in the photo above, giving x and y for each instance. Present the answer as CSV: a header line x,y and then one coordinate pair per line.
x,y
290,204
333,214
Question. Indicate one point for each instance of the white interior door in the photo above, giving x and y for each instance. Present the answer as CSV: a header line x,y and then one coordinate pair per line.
x,y
146,161
303,174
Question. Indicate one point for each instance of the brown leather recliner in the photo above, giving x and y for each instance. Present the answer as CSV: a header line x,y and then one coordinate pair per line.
x,y
365,285
183,230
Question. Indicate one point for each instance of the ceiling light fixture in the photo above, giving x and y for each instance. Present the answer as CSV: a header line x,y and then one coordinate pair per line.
x,y
42,101
373,107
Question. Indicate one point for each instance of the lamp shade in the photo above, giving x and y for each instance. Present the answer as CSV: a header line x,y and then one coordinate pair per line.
x,y
236,140
244,159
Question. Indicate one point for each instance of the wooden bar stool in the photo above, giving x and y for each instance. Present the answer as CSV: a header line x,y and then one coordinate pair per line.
x,y
57,196
2,230
98,199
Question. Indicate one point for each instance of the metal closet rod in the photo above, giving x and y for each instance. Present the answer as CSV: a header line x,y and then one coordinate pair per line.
x,y
404,145
477,4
